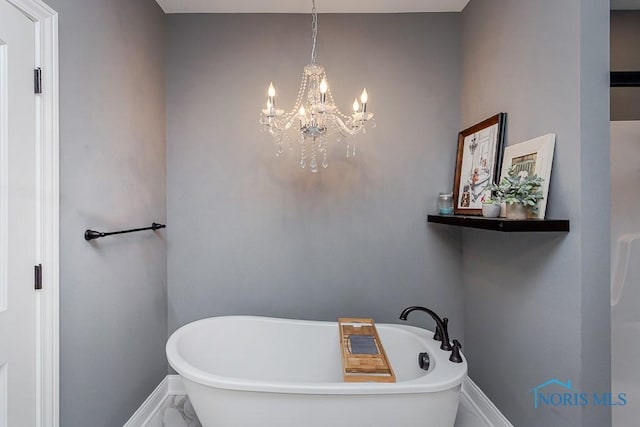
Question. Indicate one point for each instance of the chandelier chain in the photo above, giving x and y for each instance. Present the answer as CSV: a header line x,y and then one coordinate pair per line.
x,y
314,30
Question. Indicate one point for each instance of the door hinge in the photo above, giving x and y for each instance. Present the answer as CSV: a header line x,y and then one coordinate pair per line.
x,y
37,80
38,276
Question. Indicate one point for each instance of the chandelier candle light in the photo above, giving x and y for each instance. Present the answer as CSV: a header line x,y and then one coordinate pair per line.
x,y
315,115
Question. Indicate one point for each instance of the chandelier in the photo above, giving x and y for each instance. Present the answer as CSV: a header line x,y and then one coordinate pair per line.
x,y
315,117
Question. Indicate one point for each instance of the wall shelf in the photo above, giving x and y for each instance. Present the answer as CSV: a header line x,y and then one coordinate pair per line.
x,y
501,224
625,79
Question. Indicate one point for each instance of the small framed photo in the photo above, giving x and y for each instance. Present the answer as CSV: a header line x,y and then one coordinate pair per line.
x,y
536,157
478,164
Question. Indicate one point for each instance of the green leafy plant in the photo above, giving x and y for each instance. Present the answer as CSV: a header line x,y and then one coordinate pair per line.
x,y
520,188
493,200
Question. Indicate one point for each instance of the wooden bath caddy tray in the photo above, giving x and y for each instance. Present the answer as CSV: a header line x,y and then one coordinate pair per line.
x,y
363,357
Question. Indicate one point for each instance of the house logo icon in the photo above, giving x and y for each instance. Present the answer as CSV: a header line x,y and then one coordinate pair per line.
x,y
537,394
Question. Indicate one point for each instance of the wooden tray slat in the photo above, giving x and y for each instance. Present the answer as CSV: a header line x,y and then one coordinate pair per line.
x,y
363,367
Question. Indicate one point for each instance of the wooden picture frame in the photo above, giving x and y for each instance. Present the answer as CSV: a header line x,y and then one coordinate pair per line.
x,y
536,157
478,164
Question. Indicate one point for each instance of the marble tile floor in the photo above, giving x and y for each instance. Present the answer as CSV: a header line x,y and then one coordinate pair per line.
x,y
176,411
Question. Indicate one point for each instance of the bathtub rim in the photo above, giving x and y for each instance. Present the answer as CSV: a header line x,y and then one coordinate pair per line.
x,y
428,383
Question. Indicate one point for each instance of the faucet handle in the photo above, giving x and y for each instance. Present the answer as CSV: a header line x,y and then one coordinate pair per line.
x,y
455,352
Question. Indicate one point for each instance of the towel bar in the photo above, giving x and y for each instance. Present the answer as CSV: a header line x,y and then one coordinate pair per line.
x,y
92,234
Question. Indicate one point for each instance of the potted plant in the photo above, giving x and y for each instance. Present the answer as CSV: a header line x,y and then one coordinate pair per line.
x,y
521,193
491,206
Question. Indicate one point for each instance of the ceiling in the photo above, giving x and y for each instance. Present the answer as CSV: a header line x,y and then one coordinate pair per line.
x,y
304,6
625,4
332,6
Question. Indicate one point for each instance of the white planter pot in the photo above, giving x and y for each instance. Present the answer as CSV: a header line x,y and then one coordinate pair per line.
x,y
490,211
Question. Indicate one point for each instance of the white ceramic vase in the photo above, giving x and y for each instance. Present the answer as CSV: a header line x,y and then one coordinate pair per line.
x,y
490,210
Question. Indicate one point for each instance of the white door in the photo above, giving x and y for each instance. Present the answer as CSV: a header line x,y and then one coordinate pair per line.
x,y
17,219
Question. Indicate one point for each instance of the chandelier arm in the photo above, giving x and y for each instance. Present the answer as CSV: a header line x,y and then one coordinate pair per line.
x,y
336,110
342,128
279,125
282,124
289,121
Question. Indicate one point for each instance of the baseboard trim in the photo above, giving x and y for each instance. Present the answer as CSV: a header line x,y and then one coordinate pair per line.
x,y
176,386
150,406
483,406
172,385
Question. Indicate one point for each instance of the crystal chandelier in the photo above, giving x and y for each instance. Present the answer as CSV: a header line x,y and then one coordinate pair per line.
x,y
315,116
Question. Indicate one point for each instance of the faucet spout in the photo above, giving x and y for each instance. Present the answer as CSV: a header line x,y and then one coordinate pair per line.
x,y
441,325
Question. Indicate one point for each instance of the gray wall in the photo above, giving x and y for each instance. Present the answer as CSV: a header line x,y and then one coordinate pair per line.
x,y
113,170
254,234
625,198
537,306
625,56
251,233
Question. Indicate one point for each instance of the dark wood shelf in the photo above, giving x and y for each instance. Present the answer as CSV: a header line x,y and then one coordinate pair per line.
x,y
625,79
501,224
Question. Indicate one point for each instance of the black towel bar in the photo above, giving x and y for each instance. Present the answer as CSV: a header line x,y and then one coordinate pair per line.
x,y
92,234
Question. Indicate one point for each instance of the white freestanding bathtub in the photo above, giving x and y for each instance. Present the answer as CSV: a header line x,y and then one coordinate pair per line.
x,y
242,371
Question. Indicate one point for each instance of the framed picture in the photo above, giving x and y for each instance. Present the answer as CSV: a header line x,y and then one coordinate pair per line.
x,y
477,164
536,157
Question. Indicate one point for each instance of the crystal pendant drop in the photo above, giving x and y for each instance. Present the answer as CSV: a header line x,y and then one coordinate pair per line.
x,y
325,164
313,164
